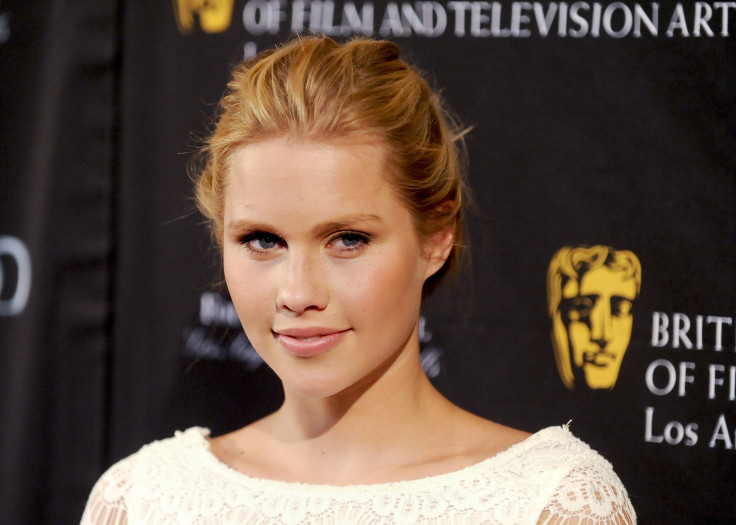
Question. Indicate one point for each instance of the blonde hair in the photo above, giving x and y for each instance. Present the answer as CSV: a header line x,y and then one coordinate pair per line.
x,y
314,88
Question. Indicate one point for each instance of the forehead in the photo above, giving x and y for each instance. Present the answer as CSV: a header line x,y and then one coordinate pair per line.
x,y
601,281
287,178
605,281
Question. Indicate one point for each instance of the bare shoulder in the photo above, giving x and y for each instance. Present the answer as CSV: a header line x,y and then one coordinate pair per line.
x,y
489,437
468,438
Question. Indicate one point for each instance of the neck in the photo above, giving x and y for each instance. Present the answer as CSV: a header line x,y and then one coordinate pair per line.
x,y
392,398
371,426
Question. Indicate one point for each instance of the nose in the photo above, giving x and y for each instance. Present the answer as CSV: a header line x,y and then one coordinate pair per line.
x,y
601,323
301,287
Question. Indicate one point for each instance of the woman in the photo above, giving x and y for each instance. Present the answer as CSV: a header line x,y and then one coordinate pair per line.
x,y
333,186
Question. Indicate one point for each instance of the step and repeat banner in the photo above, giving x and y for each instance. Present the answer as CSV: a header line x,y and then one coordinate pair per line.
x,y
601,288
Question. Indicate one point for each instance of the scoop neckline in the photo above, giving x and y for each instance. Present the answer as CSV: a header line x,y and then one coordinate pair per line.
x,y
204,445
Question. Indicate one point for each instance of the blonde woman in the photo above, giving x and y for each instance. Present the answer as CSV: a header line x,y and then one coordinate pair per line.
x,y
333,187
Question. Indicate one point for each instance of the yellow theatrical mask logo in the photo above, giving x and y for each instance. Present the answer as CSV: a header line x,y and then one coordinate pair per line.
x,y
214,15
590,293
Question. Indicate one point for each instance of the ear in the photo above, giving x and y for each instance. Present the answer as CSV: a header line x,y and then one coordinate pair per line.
x,y
437,249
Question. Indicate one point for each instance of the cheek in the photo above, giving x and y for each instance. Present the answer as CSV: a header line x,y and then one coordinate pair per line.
x,y
579,333
234,275
390,282
579,341
621,334
248,291
622,327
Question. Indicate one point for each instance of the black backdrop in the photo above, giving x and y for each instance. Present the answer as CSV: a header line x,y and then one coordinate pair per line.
x,y
622,135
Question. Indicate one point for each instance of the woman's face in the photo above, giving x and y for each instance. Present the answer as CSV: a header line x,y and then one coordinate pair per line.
x,y
322,261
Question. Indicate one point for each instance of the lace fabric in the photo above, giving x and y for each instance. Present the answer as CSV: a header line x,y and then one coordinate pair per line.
x,y
550,478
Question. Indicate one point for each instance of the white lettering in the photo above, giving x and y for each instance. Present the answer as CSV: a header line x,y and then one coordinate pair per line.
x,y
391,24
478,19
671,377
423,18
14,249
674,432
678,22
721,433
724,7
703,14
652,22
411,20
608,16
719,322
425,334
596,26
431,361
714,381
544,20
299,16
679,432
199,345
315,16
680,327
354,22
459,8
689,335
685,366
496,29
518,17
562,20
649,436
485,18
241,350
582,23
691,431
261,16
435,19
660,323
214,310
327,25
250,49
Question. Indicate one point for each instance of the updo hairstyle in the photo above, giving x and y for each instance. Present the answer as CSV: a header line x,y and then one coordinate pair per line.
x,y
316,89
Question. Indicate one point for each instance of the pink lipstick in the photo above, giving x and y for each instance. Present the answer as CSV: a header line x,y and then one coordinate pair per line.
x,y
309,342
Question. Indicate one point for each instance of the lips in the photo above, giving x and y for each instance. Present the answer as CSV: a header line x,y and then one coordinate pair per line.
x,y
599,358
309,342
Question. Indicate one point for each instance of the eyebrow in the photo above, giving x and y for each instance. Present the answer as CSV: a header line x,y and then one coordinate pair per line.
x,y
341,223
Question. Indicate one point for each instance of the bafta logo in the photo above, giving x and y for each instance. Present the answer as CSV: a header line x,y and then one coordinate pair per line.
x,y
214,15
590,293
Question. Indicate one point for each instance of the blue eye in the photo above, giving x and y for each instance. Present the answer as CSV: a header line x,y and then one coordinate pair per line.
x,y
349,243
261,241
350,240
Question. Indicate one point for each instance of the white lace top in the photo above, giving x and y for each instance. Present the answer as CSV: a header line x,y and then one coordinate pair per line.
x,y
549,478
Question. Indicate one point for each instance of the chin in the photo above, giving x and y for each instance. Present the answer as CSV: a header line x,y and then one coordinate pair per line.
x,y
600,380
315,388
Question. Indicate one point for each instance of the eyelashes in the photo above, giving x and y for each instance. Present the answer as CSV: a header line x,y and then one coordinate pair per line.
x,y
261,242
351,240
343,244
